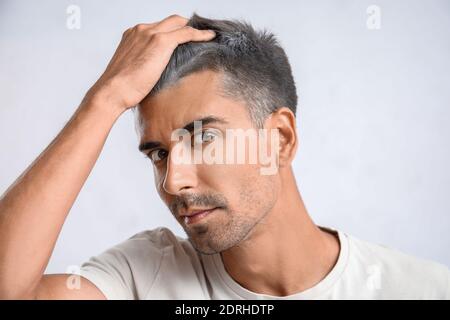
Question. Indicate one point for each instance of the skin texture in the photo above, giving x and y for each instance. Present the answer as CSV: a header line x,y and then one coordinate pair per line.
x,y
244,201
261,216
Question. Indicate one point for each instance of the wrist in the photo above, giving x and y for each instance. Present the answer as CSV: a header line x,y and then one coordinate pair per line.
x,y
102,105
104,100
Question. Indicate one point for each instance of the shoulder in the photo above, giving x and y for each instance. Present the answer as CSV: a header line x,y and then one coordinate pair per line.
x,y
147,248
147,244
395,274
160,242
159,238
128,269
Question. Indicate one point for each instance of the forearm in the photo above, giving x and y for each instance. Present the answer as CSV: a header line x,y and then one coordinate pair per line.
x,y
33,209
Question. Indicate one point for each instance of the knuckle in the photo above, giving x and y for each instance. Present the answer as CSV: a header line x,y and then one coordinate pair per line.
x,y
140,27
149,32
175,17
125,33
189,29
158,38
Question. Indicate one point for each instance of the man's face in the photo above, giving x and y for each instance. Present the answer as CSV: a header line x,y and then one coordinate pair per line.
x,y
241,194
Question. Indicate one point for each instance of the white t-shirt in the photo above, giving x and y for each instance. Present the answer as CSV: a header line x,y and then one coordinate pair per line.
x,y
156,264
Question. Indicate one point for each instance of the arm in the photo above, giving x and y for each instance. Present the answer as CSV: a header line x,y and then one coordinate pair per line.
x,y
33,209
35,206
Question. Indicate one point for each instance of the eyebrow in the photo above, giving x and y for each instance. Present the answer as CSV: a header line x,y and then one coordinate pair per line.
x,y
189,127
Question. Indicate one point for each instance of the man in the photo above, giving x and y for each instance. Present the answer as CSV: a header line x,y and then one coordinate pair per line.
x,y
249,233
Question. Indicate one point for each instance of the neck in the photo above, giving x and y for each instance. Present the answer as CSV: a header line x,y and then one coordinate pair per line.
x,y
286,252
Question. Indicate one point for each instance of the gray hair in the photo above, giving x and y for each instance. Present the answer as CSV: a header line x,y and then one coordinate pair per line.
x,y
254,67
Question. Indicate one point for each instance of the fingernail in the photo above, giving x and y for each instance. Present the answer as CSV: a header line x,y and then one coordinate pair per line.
x,y
212,32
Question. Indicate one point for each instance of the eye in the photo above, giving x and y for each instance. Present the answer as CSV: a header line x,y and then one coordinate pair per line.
x,y
157,155
205,136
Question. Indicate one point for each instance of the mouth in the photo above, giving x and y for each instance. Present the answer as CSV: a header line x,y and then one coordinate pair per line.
x,y
197,216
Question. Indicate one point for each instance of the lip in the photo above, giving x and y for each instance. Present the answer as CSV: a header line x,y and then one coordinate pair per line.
x,y
197,216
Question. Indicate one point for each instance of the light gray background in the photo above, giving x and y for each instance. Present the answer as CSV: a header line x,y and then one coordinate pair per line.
x,y
373,114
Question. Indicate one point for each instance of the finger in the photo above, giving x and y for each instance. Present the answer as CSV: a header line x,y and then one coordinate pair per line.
x,y
139,27
149,25
170,23
187,33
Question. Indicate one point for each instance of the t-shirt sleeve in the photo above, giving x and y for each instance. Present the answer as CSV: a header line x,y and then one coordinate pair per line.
x,y
127,270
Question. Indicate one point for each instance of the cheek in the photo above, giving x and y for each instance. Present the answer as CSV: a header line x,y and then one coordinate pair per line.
x,y
164,196
257,193
159,181
243,185
225,178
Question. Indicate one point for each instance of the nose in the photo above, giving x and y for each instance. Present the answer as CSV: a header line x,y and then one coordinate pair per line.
x,y
179,176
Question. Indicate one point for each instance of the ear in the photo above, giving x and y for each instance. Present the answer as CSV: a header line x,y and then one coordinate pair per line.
x,y
284,120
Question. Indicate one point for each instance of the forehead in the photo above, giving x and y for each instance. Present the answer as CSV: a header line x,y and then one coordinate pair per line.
x,y
193,97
